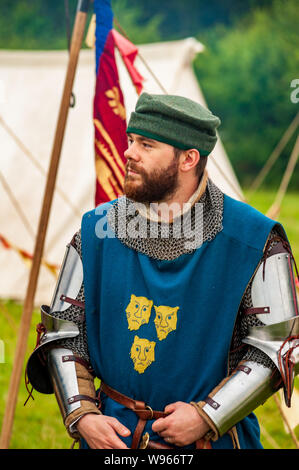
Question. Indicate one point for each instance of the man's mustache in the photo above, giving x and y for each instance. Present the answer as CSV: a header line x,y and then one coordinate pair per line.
x,y
133,167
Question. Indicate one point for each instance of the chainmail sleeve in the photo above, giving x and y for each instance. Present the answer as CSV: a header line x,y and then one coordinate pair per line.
x,y
76,314
239,350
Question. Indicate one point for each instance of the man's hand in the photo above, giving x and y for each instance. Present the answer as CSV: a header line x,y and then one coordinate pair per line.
x,y
182,426
100,432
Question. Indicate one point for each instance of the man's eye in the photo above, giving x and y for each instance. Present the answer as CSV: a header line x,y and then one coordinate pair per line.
x,y
146,145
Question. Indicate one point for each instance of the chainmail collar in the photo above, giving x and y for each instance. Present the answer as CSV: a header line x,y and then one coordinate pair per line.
x,y
133,226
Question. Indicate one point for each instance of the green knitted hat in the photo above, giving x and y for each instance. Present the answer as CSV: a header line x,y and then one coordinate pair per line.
x,y
176,121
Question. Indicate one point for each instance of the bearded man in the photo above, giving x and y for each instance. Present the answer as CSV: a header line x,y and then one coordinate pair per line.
x,y
180,299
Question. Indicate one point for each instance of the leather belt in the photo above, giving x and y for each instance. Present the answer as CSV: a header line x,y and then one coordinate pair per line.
x,y
143,411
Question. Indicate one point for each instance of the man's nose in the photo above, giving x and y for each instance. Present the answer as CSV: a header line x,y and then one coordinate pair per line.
x,y
131,153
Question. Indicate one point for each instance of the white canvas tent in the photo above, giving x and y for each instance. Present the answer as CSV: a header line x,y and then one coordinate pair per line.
x,y
31,84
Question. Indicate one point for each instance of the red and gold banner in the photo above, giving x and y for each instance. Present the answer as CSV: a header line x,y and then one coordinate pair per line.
x,y
110,117
110,128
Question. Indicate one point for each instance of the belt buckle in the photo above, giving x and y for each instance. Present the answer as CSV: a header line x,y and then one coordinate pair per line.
x,y
144,441
150,409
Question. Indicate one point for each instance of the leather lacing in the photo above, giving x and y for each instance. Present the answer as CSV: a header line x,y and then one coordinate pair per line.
x,y
286,367
41,330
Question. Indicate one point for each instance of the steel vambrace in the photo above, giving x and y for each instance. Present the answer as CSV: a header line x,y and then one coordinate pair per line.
x,y
250,386
64,379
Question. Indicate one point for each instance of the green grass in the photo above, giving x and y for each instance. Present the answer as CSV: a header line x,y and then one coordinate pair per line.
x,y
273,434
39,425
288,216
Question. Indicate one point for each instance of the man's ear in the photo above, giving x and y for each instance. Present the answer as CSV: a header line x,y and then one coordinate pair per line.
x,y
189,159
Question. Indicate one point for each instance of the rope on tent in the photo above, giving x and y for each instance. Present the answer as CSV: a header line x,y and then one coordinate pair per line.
x,y
38,165
28,257
17,206
142,59
90,42
8,316
226,178
274,155
269,438
25,256
274,210
277,401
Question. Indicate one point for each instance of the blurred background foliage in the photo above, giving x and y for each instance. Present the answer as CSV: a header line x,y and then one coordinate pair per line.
x,y
245,72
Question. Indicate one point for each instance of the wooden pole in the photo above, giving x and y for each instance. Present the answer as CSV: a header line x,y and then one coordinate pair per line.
x,y
296,442
274,155
77,38
274,210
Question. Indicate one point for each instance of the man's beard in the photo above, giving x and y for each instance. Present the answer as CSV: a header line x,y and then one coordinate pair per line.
x,y
155,186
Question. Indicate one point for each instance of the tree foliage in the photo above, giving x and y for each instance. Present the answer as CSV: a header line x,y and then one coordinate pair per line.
x,y
246,74
37,24
33,24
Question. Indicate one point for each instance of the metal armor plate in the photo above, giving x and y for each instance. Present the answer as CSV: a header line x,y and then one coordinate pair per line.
x,y
274,287
68,286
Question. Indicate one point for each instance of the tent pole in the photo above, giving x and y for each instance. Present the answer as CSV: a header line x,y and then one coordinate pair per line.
x,y
274,210
77,39
274,155
296,442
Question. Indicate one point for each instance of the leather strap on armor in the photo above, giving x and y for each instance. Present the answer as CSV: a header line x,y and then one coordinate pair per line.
x,y
79,360
75,398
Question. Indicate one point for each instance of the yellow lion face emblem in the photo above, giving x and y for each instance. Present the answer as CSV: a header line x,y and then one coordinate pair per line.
x,y
166,320
142,353
138,311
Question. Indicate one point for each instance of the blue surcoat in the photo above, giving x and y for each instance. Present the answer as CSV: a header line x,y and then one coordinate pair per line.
x,y
160,331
